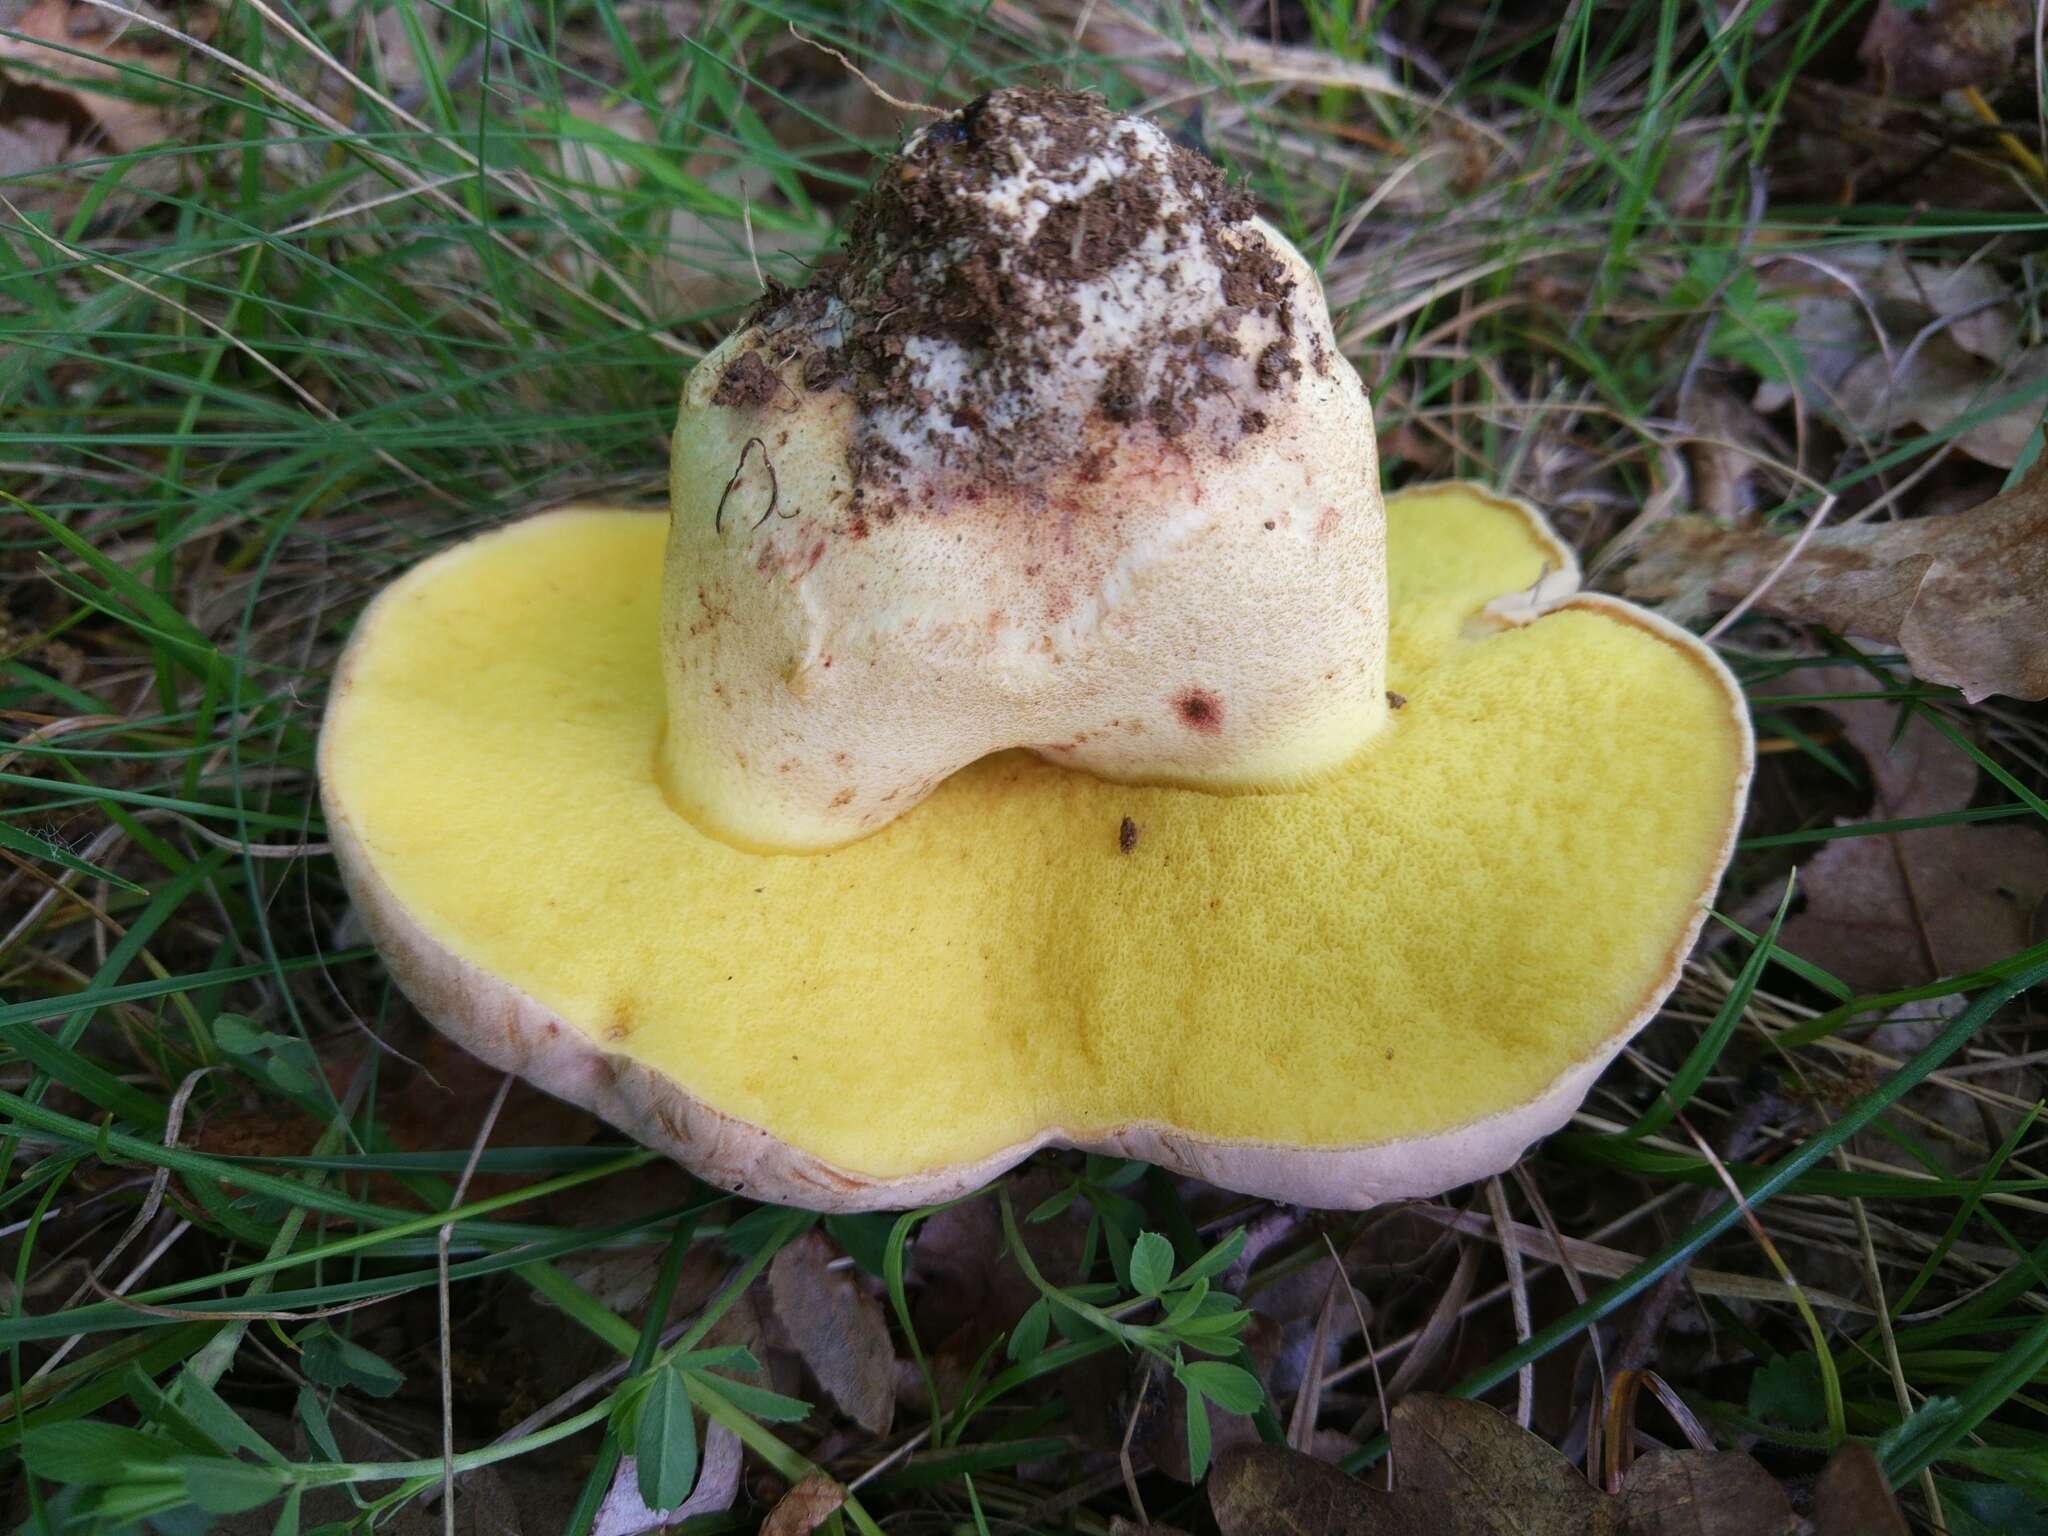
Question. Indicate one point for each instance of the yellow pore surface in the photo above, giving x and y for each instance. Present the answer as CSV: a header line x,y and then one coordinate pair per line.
x,y
1489,895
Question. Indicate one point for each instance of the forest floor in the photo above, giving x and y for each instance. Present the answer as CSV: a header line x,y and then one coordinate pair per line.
x,y
291,297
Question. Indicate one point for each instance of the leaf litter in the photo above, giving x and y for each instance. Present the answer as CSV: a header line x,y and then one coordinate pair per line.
x,y
76,86
808,1505
1964,595
1464,1469
1892,910
1880,342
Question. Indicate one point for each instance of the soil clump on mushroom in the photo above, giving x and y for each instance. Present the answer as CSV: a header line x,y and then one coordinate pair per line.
x,y
1030,281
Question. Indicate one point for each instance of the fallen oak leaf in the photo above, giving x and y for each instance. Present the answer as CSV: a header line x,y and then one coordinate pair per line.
x,y
29,145
1965,595
1270,1490
1879,342
1936,383
1453,1453
967,1291
1464,1469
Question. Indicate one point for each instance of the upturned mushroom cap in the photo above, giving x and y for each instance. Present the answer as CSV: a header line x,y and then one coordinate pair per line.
x,y
1062,457
1401,959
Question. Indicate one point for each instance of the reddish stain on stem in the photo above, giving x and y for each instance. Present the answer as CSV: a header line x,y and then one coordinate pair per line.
x,y
1200,710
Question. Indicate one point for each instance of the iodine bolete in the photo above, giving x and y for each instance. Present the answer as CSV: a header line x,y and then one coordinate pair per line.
x,y
1030,726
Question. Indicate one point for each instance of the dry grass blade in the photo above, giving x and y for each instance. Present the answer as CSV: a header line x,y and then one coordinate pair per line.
x,y
1609,1263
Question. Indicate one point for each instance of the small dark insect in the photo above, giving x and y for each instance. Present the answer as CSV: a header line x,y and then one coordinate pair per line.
x,y
1395,700
1127,836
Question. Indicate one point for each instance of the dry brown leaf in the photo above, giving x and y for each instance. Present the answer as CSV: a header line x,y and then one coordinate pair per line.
x,y
1463,1469
1843,298
968,1291
1894,910
1882,343
837,1329
1965,595
1928,49
1269,1490
805,1507
1889,912
1703,1493
624,1281
1852,1498
1935,384
1455,1453
71,47
1978,307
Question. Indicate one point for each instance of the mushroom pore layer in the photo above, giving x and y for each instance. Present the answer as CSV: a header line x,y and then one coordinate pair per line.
x,y
1061,456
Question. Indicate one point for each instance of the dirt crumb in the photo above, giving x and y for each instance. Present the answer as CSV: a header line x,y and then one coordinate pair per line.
x,y
1277,363
748,382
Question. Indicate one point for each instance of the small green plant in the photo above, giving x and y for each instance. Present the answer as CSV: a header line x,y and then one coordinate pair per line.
x,y
1747,327
652,1413
1186,1316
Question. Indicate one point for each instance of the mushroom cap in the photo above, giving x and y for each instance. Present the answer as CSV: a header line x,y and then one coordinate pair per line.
x,y
1378,985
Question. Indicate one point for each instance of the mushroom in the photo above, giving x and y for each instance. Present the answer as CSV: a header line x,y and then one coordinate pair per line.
x,y
1030,728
